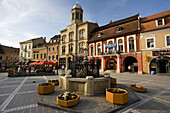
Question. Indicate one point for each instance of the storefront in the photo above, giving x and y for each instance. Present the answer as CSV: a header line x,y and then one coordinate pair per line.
x,y
156,61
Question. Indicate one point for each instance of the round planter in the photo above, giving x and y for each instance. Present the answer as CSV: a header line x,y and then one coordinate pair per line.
x,y
45,89
55,83
68,103
142,89
10,71
116,98
113,81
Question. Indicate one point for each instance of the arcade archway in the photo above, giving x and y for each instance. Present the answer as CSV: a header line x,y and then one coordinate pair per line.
x,y
130,61
160,65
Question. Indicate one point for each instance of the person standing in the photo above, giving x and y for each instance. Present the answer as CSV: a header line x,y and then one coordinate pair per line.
x,y
129,68
29,69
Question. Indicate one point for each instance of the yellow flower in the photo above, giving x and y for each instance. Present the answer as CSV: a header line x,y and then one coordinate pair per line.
x,y
65,98
59,95
72,96
73,93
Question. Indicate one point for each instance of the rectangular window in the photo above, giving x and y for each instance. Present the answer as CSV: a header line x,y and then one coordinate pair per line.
x,y
28,53
1,57
44,55
77,15
63,39
49,57
11,57
53,48
70,48
56,48
91,50
49,48
168,40
160,22
52,57
131,44
81,48
34,56
29,46
63,50
71,36
56,57
41,55
72,16
99,49
37,56
120,46
150,43
81,34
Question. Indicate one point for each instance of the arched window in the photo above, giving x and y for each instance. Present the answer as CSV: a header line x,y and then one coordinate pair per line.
x,y
99,48
71,36
70,48
63,50
81,34
64,39
131,43
81,47
120,45
110,48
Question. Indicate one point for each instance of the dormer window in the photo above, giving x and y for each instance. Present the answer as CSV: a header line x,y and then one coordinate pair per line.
x,y
119,29
99,34
54,41
160,22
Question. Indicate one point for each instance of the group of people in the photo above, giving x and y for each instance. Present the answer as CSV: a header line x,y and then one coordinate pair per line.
x,y
131,68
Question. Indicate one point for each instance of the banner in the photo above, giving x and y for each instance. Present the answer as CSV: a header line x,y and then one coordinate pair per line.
x,y
111,45
161,52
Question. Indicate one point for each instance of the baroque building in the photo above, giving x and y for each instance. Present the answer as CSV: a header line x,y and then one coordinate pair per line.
x,y
75,37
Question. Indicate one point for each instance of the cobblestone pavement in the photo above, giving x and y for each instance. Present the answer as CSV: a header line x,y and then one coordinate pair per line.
x,y
157,97
19,94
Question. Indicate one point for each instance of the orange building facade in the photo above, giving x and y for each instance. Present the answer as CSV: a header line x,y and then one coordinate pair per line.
x,y
117,45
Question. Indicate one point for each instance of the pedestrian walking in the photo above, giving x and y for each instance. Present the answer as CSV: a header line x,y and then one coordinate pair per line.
x,y
29,69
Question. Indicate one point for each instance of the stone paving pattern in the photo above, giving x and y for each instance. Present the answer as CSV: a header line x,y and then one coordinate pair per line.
x,y
18,94
87,104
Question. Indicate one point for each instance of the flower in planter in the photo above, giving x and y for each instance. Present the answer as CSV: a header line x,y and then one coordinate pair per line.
x,y
45,84
137,86
67,96
116,91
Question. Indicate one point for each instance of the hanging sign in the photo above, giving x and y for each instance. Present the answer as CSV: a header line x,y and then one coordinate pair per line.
x,y
161,52
110,45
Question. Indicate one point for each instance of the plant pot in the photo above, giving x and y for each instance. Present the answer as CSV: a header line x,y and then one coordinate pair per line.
x,y
10,71
68,103
45,89
141,90
55,83
116,98
113,81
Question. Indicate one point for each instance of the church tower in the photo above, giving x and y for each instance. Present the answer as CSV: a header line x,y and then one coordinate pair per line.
x,y
77,14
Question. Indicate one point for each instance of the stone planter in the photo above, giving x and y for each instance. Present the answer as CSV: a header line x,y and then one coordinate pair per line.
x,y
10,71
46,89
68,103
55,82
116,98
113,81
141,89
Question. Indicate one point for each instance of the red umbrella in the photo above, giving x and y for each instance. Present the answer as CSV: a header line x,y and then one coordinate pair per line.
x,y
43,63
34,63
52,63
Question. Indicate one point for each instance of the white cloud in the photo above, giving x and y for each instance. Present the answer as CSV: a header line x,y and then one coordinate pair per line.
x,y
26,19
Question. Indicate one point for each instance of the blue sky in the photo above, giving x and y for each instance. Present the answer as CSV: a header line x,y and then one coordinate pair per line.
x,y
22,20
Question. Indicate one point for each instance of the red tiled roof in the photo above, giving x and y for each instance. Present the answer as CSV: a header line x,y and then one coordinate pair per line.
x,y
156,16
129,25
9,49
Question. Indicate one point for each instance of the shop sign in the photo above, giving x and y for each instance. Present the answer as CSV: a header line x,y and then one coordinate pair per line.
x,y
161,52
110,45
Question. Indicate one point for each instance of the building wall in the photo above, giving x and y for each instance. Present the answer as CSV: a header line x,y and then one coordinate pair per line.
x,y
39,51
160,41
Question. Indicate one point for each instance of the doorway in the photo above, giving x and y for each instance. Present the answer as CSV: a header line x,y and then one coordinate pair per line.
x,y
111,64
129,61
